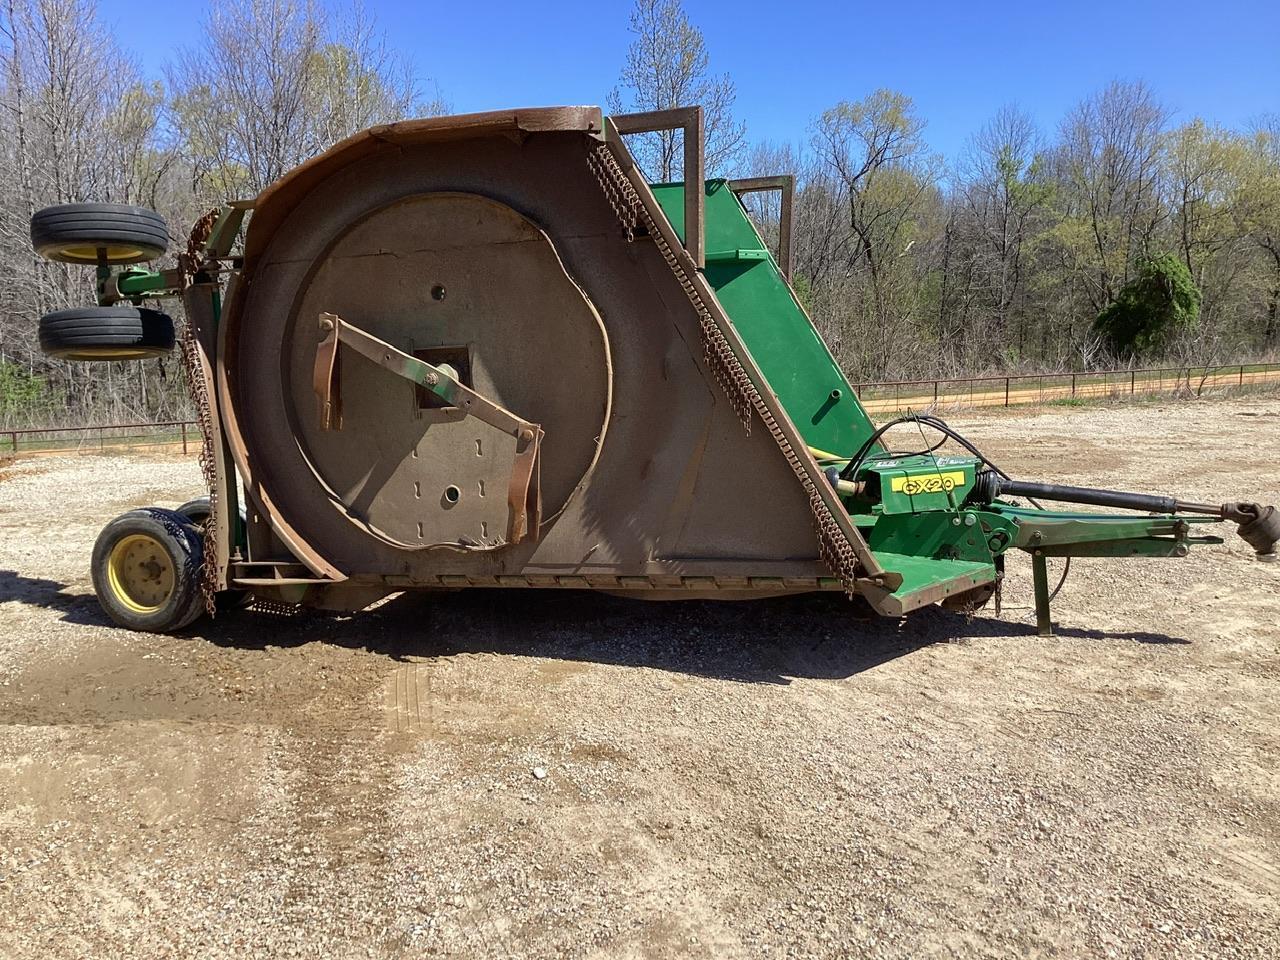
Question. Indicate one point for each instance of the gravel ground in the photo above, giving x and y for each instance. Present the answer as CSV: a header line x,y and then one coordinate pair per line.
x,y
541,774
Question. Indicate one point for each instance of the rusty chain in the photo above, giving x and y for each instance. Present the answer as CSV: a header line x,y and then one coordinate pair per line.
x,y
199,392
740,390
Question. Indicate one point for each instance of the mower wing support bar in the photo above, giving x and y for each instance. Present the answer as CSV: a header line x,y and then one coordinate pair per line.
x,y
522,494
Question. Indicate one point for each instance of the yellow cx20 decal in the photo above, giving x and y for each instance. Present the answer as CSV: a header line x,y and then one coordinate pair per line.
x,y
927,483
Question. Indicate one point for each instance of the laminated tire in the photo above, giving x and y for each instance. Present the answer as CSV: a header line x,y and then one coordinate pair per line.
x,y
197,513
146,570
106,333
83,232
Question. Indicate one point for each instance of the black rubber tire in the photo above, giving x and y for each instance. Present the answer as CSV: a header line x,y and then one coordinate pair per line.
x,y
106,333
77,232
197,512
185,549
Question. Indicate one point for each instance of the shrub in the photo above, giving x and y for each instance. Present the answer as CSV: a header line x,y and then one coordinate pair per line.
x,y
1152,309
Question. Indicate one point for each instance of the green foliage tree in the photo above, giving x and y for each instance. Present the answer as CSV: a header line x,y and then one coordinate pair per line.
x,y
1260,221
23,395
1152,309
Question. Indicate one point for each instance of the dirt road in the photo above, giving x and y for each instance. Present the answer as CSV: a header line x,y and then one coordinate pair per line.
x,y
525,774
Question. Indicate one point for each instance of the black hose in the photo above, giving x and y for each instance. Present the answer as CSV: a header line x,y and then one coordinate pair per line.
x,y
858,459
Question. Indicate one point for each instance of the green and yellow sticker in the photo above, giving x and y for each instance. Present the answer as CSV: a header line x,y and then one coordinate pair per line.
x,y
927,483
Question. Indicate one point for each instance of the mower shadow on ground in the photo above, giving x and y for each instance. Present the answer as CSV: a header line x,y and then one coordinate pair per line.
x,y
40,592
818,636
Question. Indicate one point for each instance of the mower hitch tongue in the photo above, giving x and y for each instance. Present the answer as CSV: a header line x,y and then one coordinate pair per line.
x,y
483,351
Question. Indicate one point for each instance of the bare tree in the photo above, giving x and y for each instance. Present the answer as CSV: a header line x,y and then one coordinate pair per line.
x,y
275,82
883,174
240,97
1003,185
668,66
1110,163
1006,263
77,124
1260,216
361,81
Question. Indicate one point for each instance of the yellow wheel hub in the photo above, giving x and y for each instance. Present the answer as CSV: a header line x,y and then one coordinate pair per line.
x,y
88,253
113,352
141,573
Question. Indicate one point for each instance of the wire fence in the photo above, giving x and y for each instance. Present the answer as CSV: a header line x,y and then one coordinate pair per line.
x,y
1035,388
891,396
176,436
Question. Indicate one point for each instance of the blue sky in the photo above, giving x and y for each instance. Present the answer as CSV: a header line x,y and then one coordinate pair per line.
x,y
959,61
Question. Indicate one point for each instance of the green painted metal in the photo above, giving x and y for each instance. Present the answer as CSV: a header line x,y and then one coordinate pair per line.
x,y
1136,547
1064,531
936,536
926,580
729,256
920,484
913,513
225,230
794,359
134,284
142,283
1040,587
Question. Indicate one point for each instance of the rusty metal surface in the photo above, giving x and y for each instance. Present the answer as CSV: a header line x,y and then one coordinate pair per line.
x,y
841,545
524,497
668,426
279,199
197,346
689,121
785,185
392,463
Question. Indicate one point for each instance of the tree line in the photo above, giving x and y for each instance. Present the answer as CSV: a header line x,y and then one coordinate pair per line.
x,y
1116,237
269,84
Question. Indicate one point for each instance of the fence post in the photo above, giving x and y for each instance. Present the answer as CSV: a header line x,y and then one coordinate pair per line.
x,y
1073,384
1006,391
935,393
1242,374
1133,382
184,438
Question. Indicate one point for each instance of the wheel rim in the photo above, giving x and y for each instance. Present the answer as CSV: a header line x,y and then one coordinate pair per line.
x,y
141,573
115,252
110,352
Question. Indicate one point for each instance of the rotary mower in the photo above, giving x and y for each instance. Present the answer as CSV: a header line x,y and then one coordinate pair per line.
x,y
482,351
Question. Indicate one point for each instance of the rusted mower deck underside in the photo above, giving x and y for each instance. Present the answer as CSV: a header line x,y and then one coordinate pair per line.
x,y
496,242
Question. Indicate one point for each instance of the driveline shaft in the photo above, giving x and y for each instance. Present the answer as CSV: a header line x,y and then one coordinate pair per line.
x,y
1060,493
990,485
1258,525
